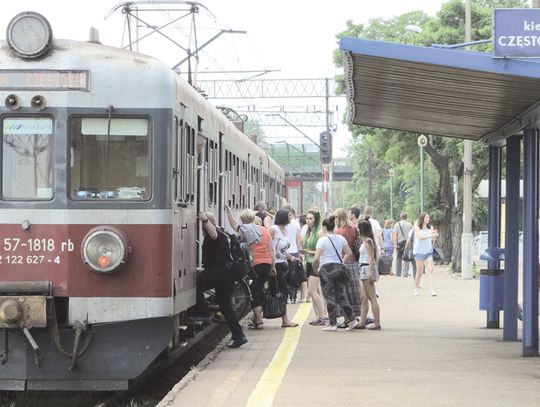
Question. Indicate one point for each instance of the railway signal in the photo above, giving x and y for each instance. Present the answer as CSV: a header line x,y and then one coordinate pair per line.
x,y
325,143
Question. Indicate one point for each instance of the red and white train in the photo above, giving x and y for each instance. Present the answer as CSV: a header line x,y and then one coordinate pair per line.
x,y
106,157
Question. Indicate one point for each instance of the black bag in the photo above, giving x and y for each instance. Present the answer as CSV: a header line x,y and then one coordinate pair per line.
x,y
275,302
241,259
438,254
401,245
296,275
357,245
384,265
408,255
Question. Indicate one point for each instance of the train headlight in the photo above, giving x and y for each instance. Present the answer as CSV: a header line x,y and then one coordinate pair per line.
x,y
29,34
104,249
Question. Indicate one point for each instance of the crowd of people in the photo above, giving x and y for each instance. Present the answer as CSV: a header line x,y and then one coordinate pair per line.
x,y
338,259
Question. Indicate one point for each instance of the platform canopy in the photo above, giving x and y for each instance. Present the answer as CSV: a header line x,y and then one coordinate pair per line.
x,y
447,92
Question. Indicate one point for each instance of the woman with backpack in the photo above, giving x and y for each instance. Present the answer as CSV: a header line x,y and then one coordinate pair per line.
x,y
263,258
281,244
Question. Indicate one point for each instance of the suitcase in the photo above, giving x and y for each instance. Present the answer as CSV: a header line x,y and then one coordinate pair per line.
x,y
384,265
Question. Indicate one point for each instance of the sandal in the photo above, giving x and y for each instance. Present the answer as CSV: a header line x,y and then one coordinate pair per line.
x,y
254,325
373,327
290,325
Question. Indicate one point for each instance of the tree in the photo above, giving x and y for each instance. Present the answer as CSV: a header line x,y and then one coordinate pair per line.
x,y
374,151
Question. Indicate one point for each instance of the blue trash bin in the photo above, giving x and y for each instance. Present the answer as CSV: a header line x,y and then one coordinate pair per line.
x,y
492,281
491,289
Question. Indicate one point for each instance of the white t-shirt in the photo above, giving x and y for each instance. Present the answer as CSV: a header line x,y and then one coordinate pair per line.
x,y
281,245
293,229
376,226
328,254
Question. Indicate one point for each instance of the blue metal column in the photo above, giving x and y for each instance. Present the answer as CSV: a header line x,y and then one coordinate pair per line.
x,y
511,240
494,218
530,243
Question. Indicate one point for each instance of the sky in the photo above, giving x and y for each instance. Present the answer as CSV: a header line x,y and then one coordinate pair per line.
x,y
293,38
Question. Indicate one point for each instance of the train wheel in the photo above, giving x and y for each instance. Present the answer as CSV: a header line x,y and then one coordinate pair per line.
x,y
241,299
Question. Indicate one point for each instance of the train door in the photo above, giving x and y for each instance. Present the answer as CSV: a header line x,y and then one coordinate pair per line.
x,y
183,208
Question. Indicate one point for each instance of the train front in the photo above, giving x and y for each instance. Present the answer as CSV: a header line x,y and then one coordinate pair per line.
x,y
85,247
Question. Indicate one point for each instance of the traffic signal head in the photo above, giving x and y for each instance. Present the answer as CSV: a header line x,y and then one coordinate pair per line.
x,y
325,143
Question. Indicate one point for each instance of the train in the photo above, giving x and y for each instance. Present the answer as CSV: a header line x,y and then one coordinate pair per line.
x,y
107,157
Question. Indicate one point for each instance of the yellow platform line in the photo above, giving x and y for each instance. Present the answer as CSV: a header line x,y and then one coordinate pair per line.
x,y
268,385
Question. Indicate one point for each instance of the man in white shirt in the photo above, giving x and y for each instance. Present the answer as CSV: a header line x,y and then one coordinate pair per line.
x,y
401,233
375,225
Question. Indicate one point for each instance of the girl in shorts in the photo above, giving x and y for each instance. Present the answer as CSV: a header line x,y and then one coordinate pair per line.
x,y
368,276
424,236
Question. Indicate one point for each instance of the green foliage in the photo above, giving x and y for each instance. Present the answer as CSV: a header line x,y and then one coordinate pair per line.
x,y
373,152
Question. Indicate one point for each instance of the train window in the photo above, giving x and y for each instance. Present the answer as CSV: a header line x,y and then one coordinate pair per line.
x,y
109,160
213,173
27,158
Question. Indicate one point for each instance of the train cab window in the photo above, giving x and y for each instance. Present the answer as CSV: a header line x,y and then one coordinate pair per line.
x,y
110,160
27,158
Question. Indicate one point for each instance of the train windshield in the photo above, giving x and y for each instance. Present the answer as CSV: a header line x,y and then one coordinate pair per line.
x,y
27,158
110,158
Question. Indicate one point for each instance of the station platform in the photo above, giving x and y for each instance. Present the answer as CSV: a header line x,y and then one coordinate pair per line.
x,y
431,351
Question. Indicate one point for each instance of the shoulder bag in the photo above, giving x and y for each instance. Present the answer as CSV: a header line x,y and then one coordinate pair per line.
x,y
401,244
373,272
275,302
343,273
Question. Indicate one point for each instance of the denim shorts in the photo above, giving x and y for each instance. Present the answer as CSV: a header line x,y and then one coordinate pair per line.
x,y
422,256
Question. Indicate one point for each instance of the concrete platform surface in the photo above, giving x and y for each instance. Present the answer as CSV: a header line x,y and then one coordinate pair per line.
x,y
431,351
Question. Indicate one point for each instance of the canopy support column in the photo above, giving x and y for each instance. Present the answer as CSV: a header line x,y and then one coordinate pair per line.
x,y
494,219
511,240
530,243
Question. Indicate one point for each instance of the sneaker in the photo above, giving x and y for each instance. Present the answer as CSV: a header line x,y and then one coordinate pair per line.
x,y
330,328
433,293
353,324
316,322
416,291
236,343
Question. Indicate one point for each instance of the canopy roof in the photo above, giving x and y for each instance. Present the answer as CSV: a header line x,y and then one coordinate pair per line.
x,y
469,95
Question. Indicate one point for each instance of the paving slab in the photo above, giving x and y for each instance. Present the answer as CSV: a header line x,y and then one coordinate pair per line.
x,y
431,351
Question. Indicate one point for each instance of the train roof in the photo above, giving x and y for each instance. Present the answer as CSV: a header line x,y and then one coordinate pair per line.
x,y
135,80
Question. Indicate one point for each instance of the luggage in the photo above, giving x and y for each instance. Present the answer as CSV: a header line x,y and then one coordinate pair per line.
x,y
384,265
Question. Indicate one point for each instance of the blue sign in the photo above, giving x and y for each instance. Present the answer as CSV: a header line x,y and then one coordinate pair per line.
x,y
516,33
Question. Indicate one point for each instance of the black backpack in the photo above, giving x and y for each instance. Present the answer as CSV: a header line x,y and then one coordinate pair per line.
x,y
241,259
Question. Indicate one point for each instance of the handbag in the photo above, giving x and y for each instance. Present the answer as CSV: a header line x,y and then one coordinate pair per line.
x,y
407,255
401,244
373,273
296,275
408,252
275,302
438,254
343,273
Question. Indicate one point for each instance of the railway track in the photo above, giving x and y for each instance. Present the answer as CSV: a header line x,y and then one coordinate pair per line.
x,y
145,392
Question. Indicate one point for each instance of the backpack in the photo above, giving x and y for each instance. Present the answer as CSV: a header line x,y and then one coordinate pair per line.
x,y
241,259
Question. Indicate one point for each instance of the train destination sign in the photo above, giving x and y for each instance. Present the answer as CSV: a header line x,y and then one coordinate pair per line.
x,y
516,33
43,80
